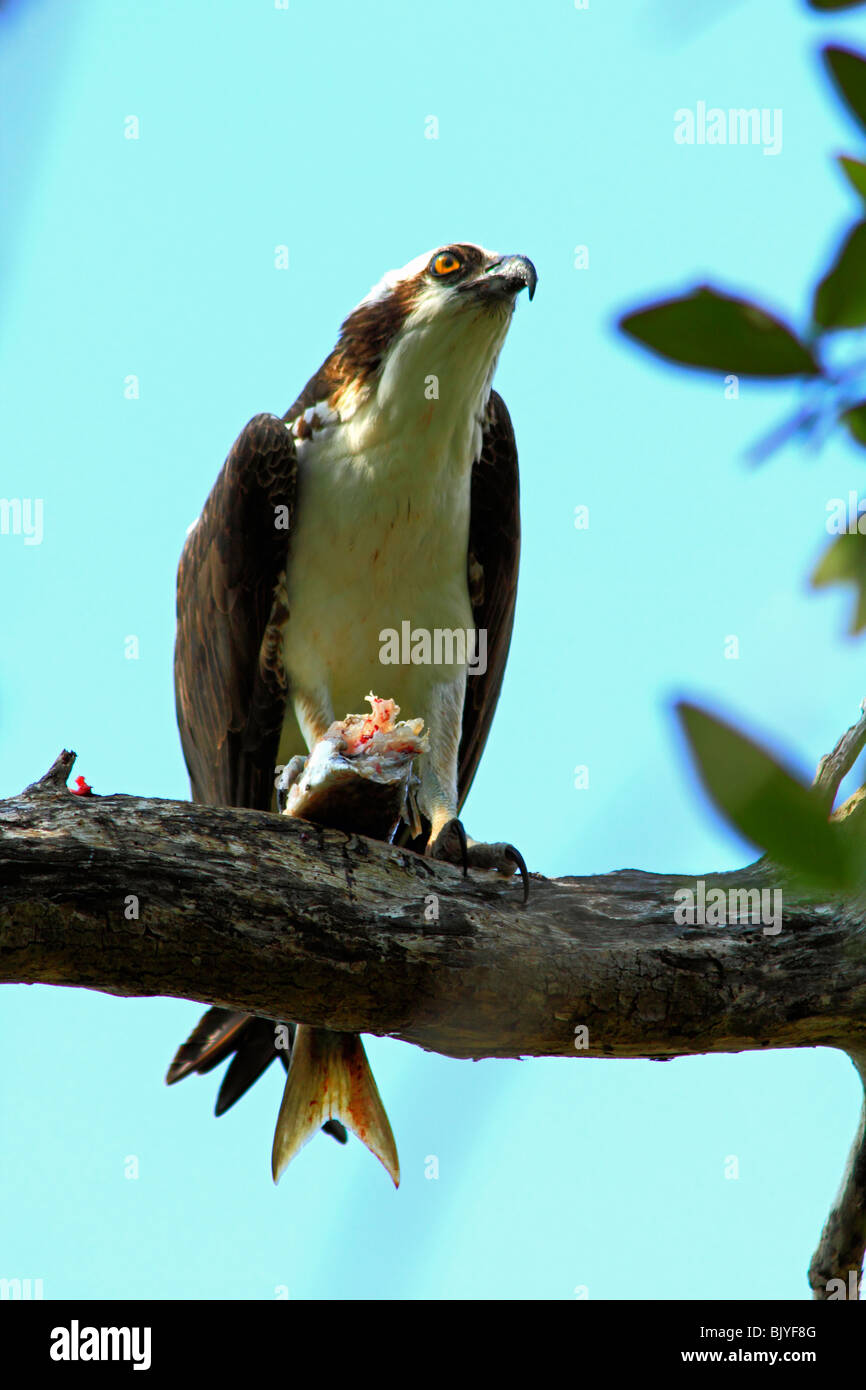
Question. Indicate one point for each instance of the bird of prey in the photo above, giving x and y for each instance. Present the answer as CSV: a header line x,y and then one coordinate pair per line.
x,y
386,496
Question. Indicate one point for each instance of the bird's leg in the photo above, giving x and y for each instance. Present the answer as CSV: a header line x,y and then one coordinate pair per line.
x,y
314,713
438,797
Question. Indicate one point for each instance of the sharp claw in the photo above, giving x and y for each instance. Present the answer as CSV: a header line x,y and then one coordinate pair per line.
x,y
464,849
518,859
480,855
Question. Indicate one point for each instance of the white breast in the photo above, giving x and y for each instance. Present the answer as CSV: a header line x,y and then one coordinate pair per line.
x,y
379,539
382,522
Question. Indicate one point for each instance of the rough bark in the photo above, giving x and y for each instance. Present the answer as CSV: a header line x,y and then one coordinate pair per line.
x,y
282,918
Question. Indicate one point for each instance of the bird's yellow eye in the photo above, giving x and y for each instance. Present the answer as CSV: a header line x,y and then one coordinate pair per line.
x,y
445,264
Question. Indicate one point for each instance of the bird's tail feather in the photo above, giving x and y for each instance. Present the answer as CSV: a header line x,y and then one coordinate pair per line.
x,y
330,1078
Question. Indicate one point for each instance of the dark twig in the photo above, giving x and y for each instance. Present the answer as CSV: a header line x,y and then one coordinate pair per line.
x,y
57,776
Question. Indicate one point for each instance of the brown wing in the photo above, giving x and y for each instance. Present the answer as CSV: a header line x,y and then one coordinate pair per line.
x,y
494,557
230,686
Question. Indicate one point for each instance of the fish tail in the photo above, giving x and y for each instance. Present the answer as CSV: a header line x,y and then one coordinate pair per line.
x,y
330,1078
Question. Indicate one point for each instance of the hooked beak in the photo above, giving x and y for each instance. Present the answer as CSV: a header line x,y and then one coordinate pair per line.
x,y
513,273
504,279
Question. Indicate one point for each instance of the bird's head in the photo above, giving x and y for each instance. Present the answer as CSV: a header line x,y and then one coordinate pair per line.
x,y
455,279
446,312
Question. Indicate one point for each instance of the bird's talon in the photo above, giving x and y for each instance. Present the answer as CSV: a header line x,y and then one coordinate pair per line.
x,y
518,859
475,854
464,848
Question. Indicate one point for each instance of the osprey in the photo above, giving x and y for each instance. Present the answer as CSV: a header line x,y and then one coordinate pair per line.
x,y
384,500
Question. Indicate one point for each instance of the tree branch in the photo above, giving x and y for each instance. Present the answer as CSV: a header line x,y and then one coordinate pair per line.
x,y
282,918
843,1240
834,766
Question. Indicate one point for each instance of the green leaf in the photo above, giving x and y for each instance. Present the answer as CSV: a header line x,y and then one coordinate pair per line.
x,y
840,298
767,803
845,563
848,72
835,4
716,332
855,418
854,171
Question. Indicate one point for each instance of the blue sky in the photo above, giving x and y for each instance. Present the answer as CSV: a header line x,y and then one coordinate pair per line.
x,y
154,257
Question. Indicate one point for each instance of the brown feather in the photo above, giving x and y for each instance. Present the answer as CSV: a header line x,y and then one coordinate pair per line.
x,y
494,557
230,685
211,1041
364,338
